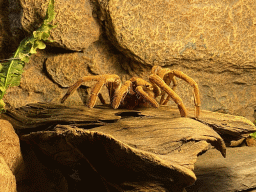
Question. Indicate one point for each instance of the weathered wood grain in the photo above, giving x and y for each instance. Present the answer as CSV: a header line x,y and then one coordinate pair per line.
x,y
137,143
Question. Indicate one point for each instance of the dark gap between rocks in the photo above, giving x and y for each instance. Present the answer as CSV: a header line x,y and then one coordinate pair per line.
x,y
129,114
249,190
57,50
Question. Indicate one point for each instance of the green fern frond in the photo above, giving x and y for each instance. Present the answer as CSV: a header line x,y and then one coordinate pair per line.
x,y
11,71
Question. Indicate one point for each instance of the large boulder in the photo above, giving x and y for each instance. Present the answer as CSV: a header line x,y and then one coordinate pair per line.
x,y
235,173
8,181
12,167
160,32
10,149
76,24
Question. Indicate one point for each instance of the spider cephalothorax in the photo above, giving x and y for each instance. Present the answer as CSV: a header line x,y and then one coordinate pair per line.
x,y
138,92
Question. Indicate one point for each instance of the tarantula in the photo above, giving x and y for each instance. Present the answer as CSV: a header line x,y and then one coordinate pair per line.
x,y
138,92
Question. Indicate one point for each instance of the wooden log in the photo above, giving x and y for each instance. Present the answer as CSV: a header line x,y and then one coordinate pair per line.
x,y
138,142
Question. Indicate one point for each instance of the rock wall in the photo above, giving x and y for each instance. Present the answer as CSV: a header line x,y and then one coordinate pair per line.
x,y
214,42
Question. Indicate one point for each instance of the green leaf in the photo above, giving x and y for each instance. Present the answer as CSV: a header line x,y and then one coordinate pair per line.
x,y
41,35
2,89
253,135
40,45
2,105
24,57
50,14
11,71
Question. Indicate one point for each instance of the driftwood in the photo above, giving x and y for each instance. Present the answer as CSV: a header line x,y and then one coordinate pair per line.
x,y
125,150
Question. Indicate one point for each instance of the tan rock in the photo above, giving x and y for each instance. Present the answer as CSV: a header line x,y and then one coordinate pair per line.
x,y
66,69
235,173
8,182
76,26
106,59
160,32
10,149
129,155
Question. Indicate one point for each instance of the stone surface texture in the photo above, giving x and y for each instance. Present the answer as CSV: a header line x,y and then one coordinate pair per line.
x,y
211,41
156,32
12,167
66,69
76,25
236,172
98,59
8,181
10,149
36,86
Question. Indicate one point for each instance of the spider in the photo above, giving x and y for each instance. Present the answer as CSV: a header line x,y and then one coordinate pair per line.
x,y
138,92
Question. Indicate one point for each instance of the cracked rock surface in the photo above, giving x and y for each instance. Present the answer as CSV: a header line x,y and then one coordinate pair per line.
x,y
76,26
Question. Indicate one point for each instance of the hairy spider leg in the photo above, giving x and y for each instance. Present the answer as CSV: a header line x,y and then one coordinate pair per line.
x,y
146,90
112,88
190,81
112,82
168,78
121,93
101,80
139,90
161,73
102,100
74,87
160,83
168,82
95,91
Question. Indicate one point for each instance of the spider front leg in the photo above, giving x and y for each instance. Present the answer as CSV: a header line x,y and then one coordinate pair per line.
x,y
74,87
146,91
146,97
95,91
190,81
168,78
121,93
160,83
